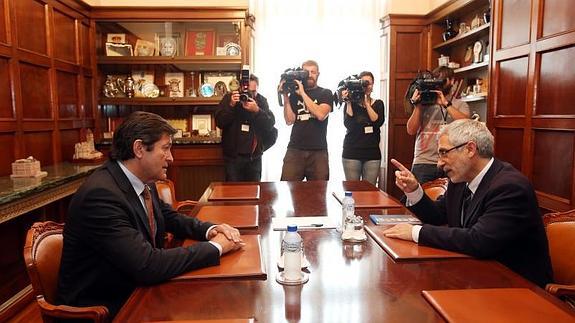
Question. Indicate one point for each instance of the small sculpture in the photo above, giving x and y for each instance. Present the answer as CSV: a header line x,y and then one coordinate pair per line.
x,y
449,30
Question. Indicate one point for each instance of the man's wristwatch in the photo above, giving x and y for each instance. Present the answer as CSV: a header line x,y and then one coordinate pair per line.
x,y
448,104
413,103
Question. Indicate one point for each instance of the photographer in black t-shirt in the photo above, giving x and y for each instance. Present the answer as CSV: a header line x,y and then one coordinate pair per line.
x,y
361,156
307,109
242,122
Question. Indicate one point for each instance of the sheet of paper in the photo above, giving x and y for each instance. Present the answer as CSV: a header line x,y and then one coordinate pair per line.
x,y
304,223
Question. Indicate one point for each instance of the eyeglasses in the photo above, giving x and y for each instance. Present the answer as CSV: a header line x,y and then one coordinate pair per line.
x,y
443,152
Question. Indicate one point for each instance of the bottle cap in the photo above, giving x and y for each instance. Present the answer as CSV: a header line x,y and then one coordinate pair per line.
x,y
347,193
292,228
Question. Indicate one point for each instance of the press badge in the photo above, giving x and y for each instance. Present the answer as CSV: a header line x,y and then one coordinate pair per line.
x,y
304,117
368,129
245,127
442,126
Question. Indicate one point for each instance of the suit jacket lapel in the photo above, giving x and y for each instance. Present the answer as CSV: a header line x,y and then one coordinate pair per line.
x,y
125,185
472,211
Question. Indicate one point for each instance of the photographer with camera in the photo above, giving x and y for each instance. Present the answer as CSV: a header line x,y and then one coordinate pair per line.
x,y
307,107
244,117
432,110
363,117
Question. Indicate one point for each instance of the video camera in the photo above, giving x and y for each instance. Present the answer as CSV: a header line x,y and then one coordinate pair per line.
x,y
289,76
245,84
426,84
356,89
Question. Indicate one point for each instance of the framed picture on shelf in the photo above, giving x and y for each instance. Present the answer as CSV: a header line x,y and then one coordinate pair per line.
x,y
200,42
215,77
142,78
168,44
175,83
224,38
144,48
114,49
202,123
116,38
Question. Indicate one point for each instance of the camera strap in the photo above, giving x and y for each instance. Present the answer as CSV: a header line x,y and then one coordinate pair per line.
x,y
443,114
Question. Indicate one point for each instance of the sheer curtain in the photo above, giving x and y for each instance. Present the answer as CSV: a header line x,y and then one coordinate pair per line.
x,y
341,35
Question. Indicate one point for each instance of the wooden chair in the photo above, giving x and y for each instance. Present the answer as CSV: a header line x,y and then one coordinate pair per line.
x,y
435,188
167,193
560,229
42,254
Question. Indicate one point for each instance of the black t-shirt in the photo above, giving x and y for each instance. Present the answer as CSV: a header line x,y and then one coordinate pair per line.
x,y
362,138
308,133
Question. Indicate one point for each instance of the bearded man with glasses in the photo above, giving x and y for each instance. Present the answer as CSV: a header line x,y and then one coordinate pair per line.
x,y
488,211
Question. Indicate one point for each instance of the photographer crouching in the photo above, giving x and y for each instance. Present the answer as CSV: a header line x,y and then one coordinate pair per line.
x,y
306,107
363,117
434,107
245,119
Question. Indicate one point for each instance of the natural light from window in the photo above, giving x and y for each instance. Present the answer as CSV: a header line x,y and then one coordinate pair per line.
x,y
342,36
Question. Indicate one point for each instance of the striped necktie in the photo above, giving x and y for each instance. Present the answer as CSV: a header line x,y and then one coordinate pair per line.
x,y
150,211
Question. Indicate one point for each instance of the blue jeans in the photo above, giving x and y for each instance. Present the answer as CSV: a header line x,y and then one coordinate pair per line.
x,y
244,169
426,172
356,170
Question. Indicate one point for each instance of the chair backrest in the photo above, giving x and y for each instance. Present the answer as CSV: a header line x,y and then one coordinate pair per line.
x,y
167,192
560,229
42,254
435,188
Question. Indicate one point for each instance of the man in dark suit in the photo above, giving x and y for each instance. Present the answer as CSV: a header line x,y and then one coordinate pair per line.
x,y
489,207
113,237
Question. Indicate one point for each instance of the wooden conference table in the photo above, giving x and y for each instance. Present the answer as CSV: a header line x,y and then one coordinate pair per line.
x,y
348,282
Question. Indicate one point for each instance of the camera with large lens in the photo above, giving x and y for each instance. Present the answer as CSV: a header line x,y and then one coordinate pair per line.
x,y
426,84
245,84
290,76
355,87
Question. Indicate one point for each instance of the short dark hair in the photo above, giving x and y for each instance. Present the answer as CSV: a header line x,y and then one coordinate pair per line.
x,y
254,78
145,126
366,73
442,72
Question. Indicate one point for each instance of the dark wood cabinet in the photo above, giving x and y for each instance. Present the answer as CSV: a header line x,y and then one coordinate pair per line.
x,y
533,86
196,164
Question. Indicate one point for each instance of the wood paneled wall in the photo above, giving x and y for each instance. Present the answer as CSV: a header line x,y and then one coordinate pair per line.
x,y
533,93
405,47
46,79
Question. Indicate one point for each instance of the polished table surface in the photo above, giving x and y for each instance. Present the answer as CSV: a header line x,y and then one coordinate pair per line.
x,y
348,282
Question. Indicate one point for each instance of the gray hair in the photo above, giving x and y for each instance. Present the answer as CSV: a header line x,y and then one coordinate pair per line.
x,y
465,130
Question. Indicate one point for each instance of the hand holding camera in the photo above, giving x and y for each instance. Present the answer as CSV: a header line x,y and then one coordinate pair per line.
x,y
354,88
291,81
234,98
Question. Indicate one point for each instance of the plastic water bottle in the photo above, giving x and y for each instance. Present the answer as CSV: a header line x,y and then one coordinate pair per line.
x,y
347,210
292,254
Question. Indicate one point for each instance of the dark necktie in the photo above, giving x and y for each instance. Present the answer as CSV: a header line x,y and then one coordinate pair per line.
x,y
467,196
150,212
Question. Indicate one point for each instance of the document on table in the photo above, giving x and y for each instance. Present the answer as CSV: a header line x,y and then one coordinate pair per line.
x,y
304,223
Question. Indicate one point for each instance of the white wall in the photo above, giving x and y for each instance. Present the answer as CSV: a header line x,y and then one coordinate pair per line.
x,y
169,3
411,7
415,7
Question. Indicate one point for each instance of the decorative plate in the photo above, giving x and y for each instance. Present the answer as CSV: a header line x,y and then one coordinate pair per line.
x,y
232,49
207,90
234,84
150,90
